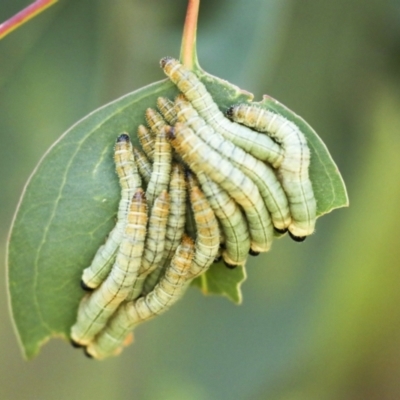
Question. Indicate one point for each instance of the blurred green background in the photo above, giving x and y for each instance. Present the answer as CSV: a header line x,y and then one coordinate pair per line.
x,y
320,320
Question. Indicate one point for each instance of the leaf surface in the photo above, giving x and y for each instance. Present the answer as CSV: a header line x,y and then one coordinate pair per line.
x,y
69,205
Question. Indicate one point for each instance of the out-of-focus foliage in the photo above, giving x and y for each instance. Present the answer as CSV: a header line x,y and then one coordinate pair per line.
x,y
319,320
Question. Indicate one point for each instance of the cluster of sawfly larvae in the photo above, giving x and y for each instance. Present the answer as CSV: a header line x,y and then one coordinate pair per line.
x,y
203,186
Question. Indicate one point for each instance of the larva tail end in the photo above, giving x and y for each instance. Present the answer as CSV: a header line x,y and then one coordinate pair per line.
x,y
85,287
254,253
298,239
280,231
124,137
165,60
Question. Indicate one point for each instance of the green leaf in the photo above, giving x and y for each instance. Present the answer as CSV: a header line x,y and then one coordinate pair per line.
x,y
223,281
69,206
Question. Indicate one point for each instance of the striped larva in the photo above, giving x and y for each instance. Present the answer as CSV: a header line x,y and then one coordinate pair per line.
x,y
175,224
143,164
294,168
233,223
129,181
258,145
160,176
202,157
168,290
261,174
155,121
166,107
146,140
155,241
95,310
207,230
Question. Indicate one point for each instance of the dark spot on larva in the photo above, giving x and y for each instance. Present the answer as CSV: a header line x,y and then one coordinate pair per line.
x,y
171,133
230,266
217,259
86,287
298,239
280,231
75,344
87,354
254,253
229,111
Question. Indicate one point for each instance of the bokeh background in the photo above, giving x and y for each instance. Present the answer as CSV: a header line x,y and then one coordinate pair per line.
x,y
319,320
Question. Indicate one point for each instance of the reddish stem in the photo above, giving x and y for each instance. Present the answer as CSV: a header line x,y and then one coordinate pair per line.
x,y
26,14
188,50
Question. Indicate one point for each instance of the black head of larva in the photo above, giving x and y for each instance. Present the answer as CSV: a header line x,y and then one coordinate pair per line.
x,y
188,172
217,259
124,137
297,238
139,195
229,112
86,287
254,253
230,266
164,61
170,132
87,354
75,344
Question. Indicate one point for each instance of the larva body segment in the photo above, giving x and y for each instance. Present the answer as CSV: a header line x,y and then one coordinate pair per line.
x,y
155,121
261,174
175,224
202,157
207,230
94,312
160,176
143,164
294,168
129,181
260,146
233,223
146,140
166,108
155,241
170,289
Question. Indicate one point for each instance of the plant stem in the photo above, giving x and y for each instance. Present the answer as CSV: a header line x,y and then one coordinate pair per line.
x,y
188,48
25,15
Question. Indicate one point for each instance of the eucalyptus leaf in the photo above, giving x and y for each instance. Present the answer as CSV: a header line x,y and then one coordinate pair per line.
x,y
69,205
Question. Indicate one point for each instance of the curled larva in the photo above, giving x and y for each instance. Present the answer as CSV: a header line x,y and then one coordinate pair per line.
x,y
201,157
143,164
294,168
169,289
261,174
160,175
233,223
166,107
95,310
129,181
207,230
175,224
258,145
146,140
155,241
